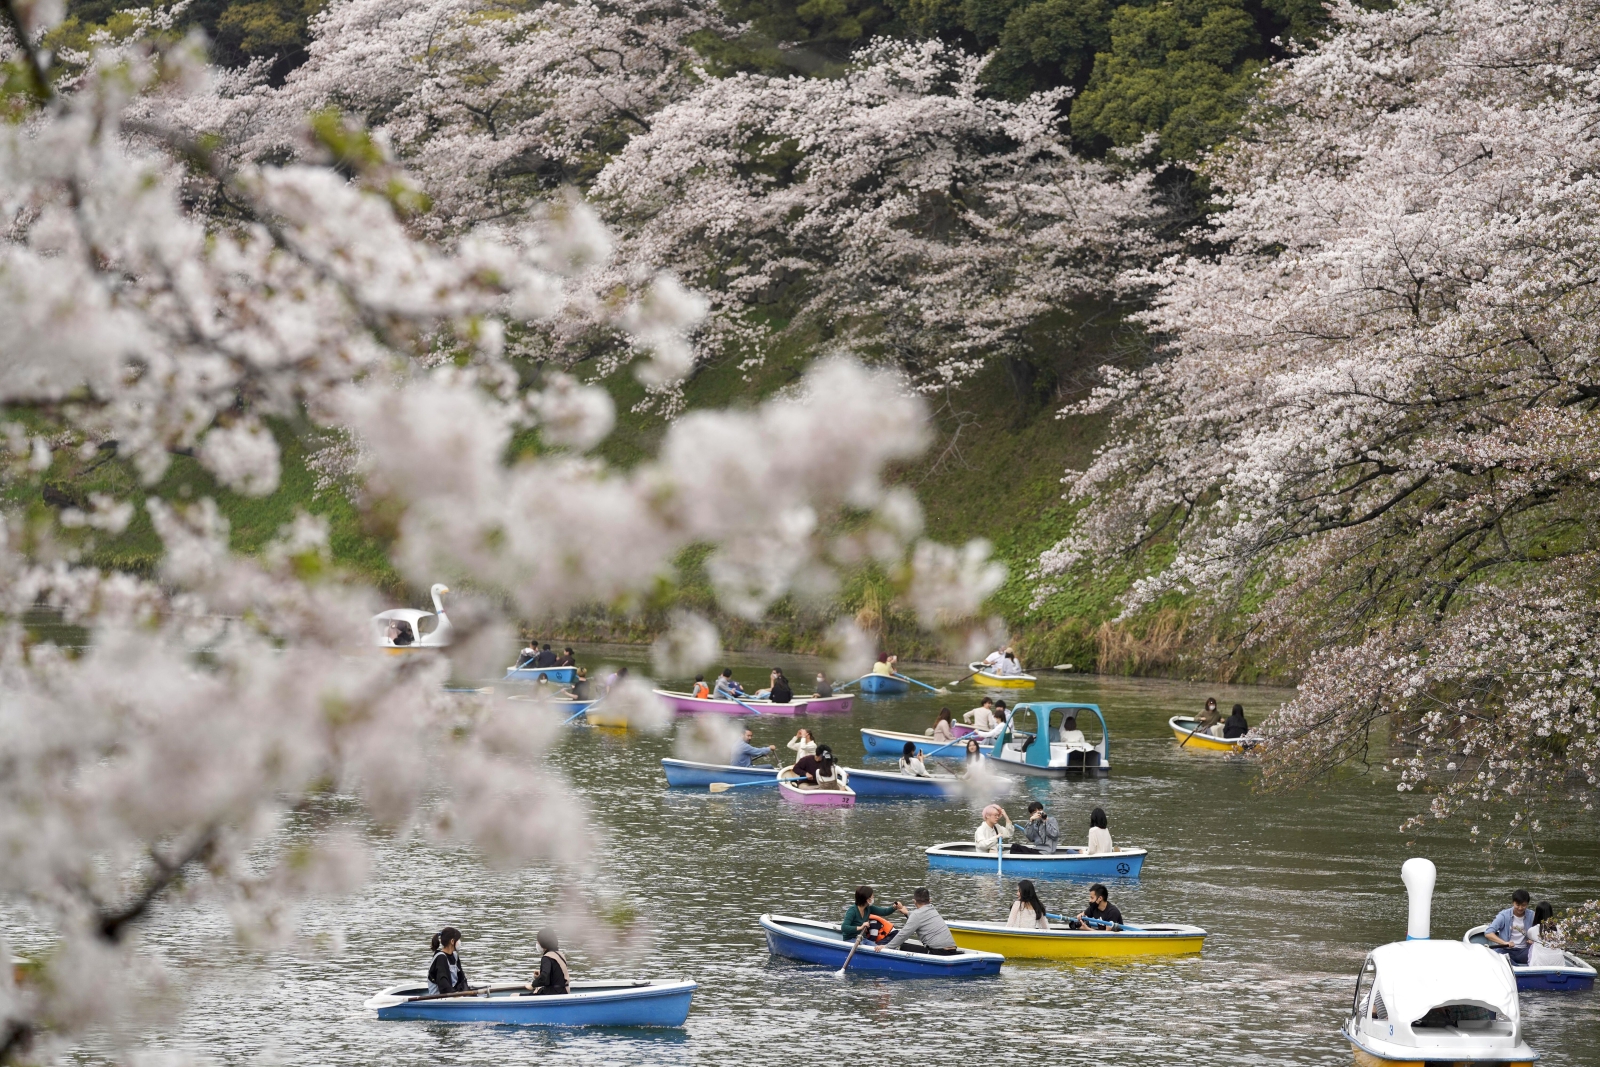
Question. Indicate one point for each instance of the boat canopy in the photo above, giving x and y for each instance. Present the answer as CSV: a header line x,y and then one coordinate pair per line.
x,y
1414,977
1048,720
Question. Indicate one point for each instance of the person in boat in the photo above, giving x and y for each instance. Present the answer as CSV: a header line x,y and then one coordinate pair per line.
x,y
1041,830
995,827
982,716
1209,717
1027,911
993,659
999,723
1509,931
1100,914
803,744
778,690
1236,726
545,659
975,759
911,763
727,688
1008,667
580,685
1539,953
806,766
827,775
926,925
445,973
824,687
701,691
402,634
568,658
744,754
943,727
863,911
555,977
1099,834
526,656
884,665
1070,734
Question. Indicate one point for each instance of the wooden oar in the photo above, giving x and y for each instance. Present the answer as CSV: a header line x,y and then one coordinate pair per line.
x,y
852,955
963,678
481,991
848,684
723,787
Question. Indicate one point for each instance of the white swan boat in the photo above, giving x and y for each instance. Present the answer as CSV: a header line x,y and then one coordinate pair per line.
x,y
400,630
1447,1002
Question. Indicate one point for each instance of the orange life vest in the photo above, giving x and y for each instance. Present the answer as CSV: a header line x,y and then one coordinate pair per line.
x,y
702,691
878,929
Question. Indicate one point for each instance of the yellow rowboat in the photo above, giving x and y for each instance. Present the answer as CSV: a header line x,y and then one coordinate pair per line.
x,y
985,680
1183,727
1060,943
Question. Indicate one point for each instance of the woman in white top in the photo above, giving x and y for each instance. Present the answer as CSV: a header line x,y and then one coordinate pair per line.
x,y
911,763
975,759
803,744
1539,953
1027,910
1099,835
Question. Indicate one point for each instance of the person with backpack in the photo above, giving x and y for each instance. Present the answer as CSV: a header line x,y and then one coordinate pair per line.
x,y
555,977
445,973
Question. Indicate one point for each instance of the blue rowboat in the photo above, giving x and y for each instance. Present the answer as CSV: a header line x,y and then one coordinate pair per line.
x,y
814,942
1067,863
686,773
884,684
869,784
553,675
641,1003
1573,975
891,744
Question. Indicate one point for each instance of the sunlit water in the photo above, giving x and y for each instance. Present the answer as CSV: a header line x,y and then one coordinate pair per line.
x,y
1293,891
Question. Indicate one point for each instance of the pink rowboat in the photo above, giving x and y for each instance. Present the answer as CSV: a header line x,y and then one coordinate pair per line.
x,y
843,797
685,704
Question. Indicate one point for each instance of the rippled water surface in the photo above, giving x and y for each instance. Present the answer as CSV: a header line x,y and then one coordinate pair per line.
x,y
1294,891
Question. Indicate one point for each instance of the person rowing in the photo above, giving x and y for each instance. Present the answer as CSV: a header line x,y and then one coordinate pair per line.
x,y
445,973
745,753
555,977
927,926
727,688
873,916
1101,914
883,666
911,763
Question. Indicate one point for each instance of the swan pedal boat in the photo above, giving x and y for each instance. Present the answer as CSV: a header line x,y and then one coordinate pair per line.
x,y
814,942
1065,863
658,1002
1574,975
1183,725
689,704
987,679
1060,943
425,636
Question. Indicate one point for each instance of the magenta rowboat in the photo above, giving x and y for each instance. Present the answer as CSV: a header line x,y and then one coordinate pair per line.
x,y
842,797
686,704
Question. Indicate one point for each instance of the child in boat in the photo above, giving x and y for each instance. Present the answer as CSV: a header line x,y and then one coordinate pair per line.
x,y
555,976
1100,914
863,909
445,973
943,727
927,926
702,691
911,763
1099,834
1027,910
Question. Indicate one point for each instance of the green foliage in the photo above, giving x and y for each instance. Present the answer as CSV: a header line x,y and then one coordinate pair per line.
x,y
239,30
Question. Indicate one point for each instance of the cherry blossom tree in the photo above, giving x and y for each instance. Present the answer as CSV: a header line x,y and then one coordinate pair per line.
x,y
1373,439
223,692
897,207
